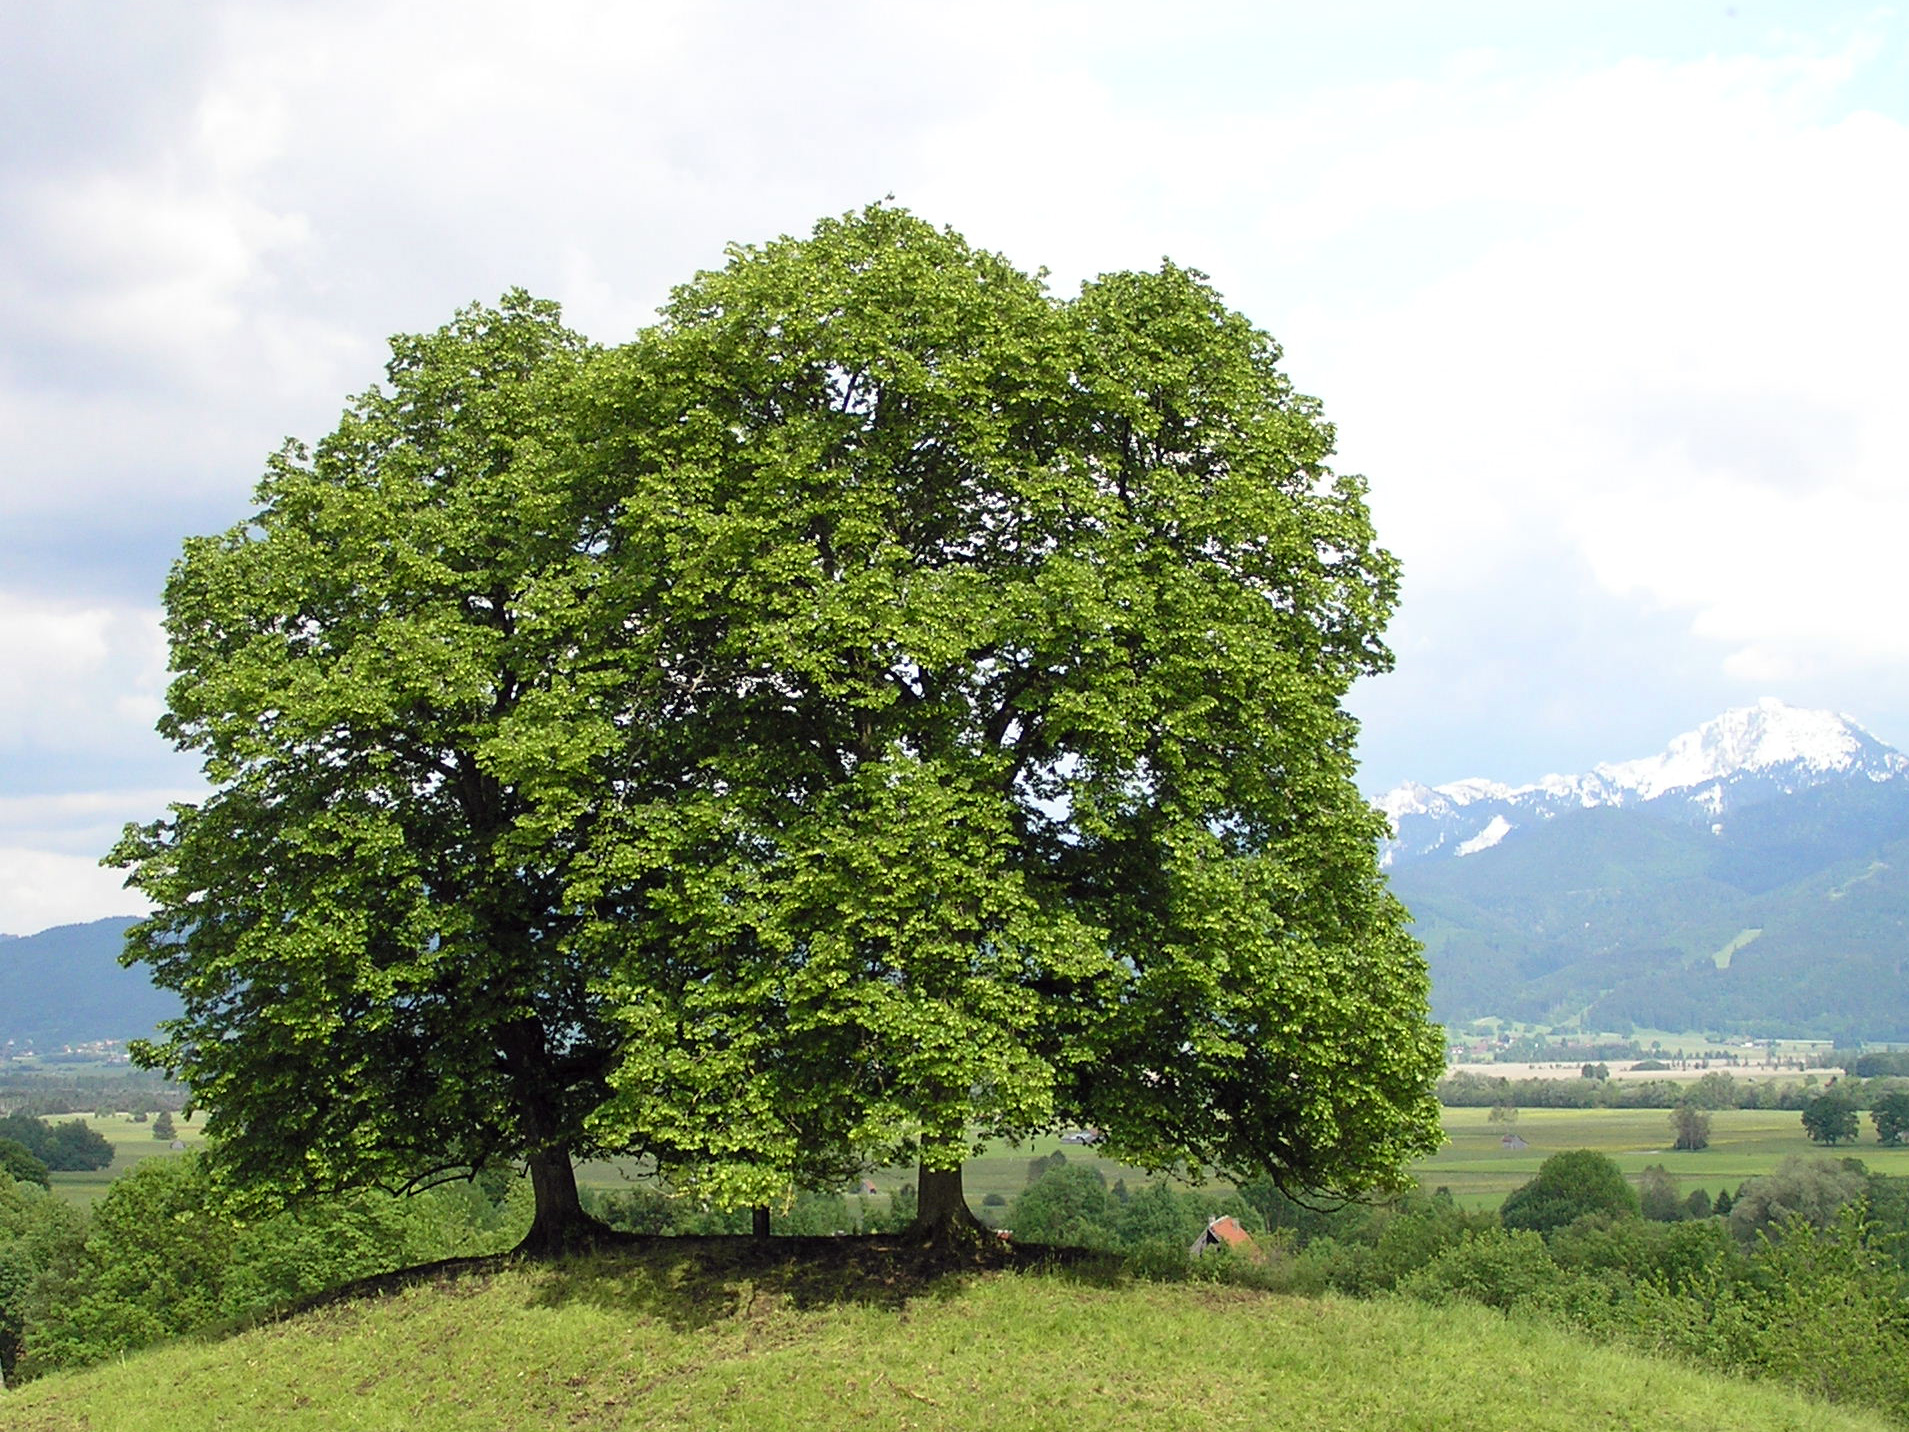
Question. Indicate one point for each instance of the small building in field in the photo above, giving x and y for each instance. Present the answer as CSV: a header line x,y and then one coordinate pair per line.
x,y
1225,1232
1513,1142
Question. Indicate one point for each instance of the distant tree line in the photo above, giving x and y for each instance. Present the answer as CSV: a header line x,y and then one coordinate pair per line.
x,y
50,1095
1717,1089
63,1148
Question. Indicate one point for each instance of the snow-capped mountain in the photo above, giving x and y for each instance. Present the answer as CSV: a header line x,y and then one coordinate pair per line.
x,y
1744,756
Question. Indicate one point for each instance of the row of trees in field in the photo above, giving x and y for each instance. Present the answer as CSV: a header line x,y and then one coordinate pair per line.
x,y
1718,1089
31,1148
881,706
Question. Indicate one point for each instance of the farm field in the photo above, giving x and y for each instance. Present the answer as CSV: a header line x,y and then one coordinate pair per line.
x,y
132,1143
1474,1165
1743,1144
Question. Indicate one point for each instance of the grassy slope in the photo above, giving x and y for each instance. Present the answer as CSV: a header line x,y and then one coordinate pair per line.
x,y
649,1341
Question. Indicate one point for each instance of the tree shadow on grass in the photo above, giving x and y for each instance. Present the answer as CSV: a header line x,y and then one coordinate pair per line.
x,y
692,1282
689,1282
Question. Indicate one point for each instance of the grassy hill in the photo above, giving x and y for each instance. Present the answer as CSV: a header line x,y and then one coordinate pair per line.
x,y
666,1338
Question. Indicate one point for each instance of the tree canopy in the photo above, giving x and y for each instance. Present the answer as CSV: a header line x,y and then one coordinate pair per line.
x,y
1025,792
881,706
367,918
1830,1118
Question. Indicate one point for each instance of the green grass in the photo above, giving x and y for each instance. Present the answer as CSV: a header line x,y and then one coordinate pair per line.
x,y
654,1340
131,1143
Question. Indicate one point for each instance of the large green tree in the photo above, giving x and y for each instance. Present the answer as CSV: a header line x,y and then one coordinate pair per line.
x,y
1890,1115
367,918
882,706
1830,1118
1019,629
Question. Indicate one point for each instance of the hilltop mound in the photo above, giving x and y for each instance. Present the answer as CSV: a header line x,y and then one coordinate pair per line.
x,y
654,1339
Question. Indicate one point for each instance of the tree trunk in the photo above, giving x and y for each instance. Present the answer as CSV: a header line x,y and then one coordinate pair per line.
x,y
559,1225
759,1220
942,1215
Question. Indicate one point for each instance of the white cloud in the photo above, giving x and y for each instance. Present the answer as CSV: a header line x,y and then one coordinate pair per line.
x,y
40,889
1639,317
86,823
1687,367
78,677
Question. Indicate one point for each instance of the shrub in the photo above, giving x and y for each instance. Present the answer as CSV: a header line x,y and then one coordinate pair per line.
x,y
1657,1196
1814,1190
1067,1207
17,1162
1495,1266
1568,1186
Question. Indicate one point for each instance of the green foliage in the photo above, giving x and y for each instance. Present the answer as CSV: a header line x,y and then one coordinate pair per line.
x,y
1820,1308
1812,1190
1568,1186
63,1148
1831,1118
17,1162
1657,1195
1039,1168
903,1204
1304,1221
1157,1213
162,1127
1627,1252
1495,1266
648,1211
1881,1063
1890,1114
1068,1207
1004,640
367,919
1690,1127
165,1254
38,1235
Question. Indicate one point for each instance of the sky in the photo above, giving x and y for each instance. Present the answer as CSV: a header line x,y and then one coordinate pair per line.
x,y
1606,300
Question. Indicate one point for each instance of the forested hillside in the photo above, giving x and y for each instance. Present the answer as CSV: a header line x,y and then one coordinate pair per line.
x,y
65,986
1746,908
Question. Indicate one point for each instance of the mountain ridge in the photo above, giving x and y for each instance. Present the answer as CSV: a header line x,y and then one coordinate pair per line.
x,y
1744,756
1752,878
